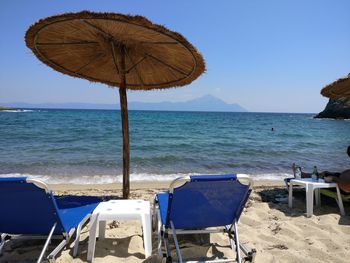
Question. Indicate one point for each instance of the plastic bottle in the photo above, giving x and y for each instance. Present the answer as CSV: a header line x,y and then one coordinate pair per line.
x,y
297,172
315,175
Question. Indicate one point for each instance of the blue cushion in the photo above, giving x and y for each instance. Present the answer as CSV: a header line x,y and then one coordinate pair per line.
x,y
70,201
205,201
163,200
28,209
72,209
71,217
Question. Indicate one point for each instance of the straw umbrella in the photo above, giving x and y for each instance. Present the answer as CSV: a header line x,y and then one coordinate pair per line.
x,y
338,89
128,52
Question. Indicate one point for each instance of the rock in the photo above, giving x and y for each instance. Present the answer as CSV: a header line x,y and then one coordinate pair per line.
x,y
336,109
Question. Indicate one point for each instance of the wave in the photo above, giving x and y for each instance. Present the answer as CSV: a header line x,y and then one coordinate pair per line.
x,y
269,176
19,110
140,177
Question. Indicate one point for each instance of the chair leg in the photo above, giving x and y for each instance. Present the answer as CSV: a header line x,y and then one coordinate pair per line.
x,y
77,235
249,254
76,241
57,249
178,252
154,213
46,243
237,242
159,234
3,240
230,238
67,236
167,245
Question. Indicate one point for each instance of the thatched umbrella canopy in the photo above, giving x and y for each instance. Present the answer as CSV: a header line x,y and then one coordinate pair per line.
x,y
128,52
338,89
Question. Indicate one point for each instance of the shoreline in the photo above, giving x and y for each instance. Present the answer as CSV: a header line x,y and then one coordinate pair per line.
x,y
107,182
257,184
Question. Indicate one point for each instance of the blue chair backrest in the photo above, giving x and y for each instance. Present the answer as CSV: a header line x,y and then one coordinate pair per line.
x,y
207,201
27,209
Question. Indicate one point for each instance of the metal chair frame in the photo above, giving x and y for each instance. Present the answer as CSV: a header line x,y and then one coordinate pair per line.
x,y
231,230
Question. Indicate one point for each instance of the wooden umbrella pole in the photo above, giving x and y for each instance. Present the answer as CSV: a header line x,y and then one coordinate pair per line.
x,y
125,127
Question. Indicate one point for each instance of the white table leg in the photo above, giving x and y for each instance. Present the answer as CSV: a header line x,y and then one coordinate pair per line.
x,y
290,195
92,237
309,200
340,202
102,230
318,197
147,233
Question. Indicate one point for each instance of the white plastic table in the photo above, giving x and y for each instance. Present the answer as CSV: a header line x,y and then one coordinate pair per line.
x,y
310,186
120,210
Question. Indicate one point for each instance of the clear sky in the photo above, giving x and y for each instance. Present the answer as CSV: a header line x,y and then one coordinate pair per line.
x,y
271,55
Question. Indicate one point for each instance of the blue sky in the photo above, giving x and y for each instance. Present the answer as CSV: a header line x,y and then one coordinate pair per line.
x,y
271,56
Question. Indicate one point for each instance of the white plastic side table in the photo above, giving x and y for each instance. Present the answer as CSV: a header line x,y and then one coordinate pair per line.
x,y
310,186
120,210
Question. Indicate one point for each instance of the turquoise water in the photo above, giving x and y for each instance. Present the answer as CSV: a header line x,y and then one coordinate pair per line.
x,y
84,146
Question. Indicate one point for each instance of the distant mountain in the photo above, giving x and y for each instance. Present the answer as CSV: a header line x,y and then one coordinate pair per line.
x,y
205,103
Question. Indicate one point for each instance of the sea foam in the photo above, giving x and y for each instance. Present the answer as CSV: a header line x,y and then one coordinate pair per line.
x,y
18,110
141,177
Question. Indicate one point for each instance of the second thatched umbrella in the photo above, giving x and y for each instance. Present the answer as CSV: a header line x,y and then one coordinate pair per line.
x,y
128,52
338,89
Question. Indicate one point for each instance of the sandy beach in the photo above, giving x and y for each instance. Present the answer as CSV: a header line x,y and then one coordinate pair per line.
x,y
278,233
116,99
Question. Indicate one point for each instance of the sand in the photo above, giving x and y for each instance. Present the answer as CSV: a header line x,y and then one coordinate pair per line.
x,y
278,233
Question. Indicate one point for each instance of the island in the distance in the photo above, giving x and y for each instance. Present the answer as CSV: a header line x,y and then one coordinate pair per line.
x,y
2,108
205,103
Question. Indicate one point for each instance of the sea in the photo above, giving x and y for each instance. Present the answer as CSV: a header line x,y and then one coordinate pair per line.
x,y
85,146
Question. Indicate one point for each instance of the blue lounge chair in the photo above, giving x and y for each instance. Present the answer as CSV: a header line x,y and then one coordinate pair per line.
x,y
29,210
202,204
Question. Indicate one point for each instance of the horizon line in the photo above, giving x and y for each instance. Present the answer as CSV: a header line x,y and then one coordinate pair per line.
x,y
269,112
